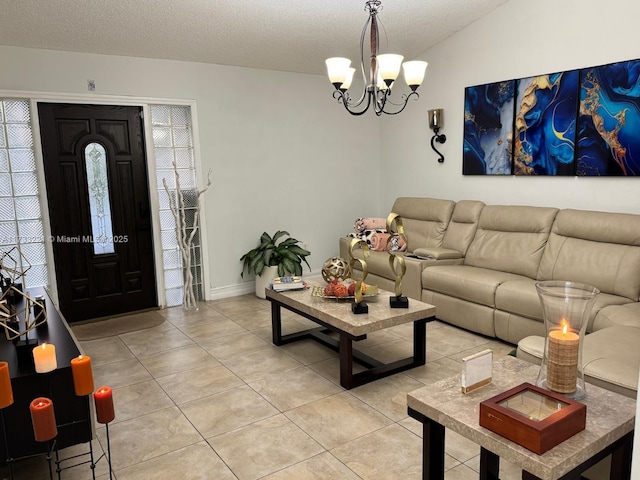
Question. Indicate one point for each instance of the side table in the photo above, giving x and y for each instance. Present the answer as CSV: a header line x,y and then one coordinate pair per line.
x,y
609,429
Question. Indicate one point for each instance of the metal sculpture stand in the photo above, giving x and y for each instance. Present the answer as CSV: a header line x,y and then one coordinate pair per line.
x,y
359,306
398,301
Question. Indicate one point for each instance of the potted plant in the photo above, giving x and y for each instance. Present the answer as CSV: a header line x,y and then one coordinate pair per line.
x,y
271,259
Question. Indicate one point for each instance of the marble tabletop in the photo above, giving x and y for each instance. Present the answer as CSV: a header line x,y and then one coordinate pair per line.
x,y
609,417
337,312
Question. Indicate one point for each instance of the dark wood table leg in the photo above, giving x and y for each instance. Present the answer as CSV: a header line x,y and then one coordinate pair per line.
x,y
420,342
276,323
346,361
489,465
621,459
432,450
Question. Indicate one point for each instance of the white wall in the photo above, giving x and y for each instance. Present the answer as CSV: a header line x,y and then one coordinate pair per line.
x,y
519,39
284,154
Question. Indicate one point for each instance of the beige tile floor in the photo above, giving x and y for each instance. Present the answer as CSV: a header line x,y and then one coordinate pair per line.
x,y
206,395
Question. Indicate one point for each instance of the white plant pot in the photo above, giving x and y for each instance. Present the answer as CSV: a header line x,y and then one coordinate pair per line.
x,y
263,281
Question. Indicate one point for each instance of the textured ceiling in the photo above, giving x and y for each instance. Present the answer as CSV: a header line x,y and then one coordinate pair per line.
x,y
288,35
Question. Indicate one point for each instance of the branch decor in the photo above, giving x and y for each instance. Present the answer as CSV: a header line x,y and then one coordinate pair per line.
x,y
184,236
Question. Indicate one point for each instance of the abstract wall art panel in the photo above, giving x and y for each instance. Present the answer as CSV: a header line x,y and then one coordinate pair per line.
x,y
609,120
488,129
545,124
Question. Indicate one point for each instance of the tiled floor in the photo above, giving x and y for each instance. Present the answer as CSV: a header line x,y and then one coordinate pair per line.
x,y
207,396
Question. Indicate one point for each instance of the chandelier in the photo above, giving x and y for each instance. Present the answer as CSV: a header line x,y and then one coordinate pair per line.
x,y
383,72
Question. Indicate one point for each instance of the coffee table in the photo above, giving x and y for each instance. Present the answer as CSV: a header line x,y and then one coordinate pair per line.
x,y
334,315
609,429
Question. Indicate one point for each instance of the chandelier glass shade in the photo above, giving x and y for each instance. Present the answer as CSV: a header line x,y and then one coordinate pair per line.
x,y
384,69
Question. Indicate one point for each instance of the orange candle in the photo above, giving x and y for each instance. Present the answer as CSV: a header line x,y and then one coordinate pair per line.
x,y
43,419
6,392
82,375
104,405
44,358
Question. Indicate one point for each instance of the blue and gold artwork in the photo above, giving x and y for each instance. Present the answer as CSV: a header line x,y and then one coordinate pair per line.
x,y
488,128
609,120
545,124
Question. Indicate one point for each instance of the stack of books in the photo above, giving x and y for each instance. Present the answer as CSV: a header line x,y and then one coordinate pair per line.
x,y
280,284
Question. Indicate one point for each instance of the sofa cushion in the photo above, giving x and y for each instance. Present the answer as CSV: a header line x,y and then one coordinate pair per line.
x,y
596,248
472,284
511,239
519,297
424,220
463,225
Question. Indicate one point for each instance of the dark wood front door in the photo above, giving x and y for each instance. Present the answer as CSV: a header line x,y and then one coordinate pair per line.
x,y
98,194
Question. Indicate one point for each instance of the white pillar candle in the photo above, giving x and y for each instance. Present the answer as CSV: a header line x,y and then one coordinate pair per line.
x,y
44,358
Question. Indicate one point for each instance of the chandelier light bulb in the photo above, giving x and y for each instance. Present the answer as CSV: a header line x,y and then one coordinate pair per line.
x,y
414,73
348,79
389,66
337,70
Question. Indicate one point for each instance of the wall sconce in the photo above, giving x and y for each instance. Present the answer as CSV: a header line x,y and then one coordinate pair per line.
x,y
436,122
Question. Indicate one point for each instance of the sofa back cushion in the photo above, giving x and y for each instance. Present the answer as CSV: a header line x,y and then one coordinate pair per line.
x,y
425,220
596,248
511,238
463,225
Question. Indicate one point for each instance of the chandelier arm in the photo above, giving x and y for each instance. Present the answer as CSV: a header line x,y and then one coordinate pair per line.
x,y
406,100
344,97
361,112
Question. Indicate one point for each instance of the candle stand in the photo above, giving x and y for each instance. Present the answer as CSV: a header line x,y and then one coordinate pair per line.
x,y
91,461
566,307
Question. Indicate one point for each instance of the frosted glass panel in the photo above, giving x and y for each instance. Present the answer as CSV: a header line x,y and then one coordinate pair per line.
x,y
25,184
19,136
27,208
16,111
181,115
22,160
7,212
98,185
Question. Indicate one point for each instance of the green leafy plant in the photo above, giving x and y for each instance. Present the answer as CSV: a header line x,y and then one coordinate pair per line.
x,y
286,255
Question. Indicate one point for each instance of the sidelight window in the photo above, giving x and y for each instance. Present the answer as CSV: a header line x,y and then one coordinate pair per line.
x,y
95,159
173,144
20,213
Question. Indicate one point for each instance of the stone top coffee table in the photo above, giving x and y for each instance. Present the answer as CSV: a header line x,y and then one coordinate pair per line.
x,y
609,429
334,315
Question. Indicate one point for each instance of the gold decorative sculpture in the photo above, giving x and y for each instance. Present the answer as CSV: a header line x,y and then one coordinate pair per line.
x,y
9,315
359,306
17,322
335,268
394,220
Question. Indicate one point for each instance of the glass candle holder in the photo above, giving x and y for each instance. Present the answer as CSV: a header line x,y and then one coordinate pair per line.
x,y
566,307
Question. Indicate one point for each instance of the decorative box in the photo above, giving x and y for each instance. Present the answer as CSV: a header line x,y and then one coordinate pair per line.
x,y
532,417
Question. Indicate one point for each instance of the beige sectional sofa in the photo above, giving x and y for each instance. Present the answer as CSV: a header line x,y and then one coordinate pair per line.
x,y
482,262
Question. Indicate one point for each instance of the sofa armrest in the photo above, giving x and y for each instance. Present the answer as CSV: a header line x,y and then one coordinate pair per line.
x,y
436,253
